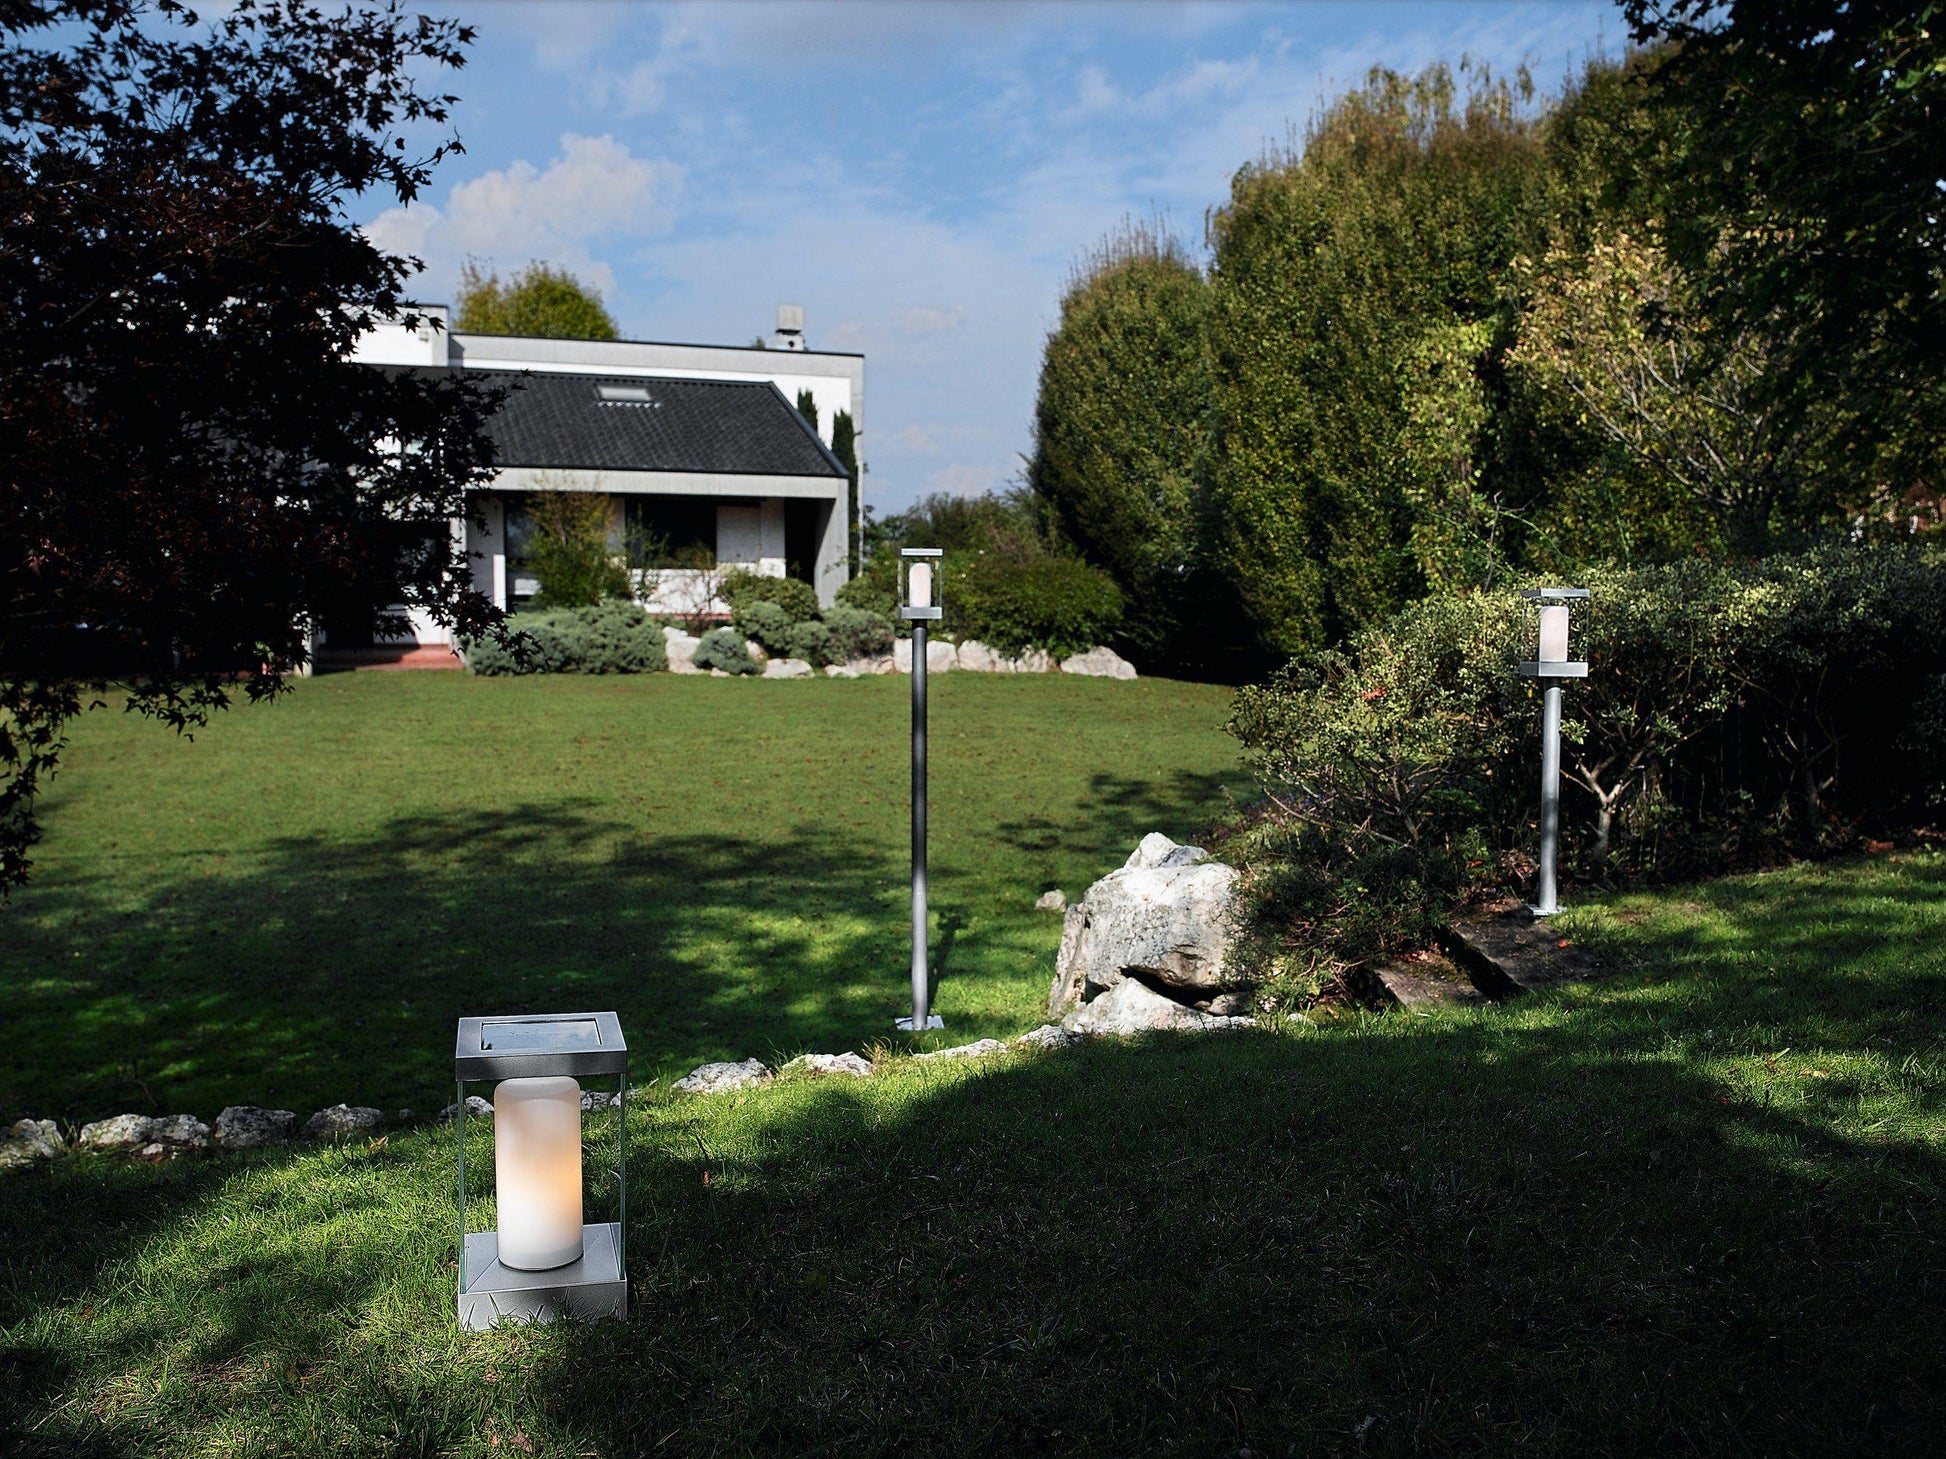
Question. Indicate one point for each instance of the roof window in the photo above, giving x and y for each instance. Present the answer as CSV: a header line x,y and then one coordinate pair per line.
x,y
625,395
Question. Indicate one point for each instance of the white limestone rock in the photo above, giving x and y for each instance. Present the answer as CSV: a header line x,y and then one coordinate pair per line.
x,y
788,669
1034,661
120,1133
1048,1036
477,1107
982,1049
840,671
29,1142
1099,663
759,655
849,1065
725,1077
978,658
682,649
941,655
1131,1008
1167,915
1052,901
249,1126
341,1121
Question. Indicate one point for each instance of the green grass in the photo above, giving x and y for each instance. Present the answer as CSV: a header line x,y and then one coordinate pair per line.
x,y
1692,1209
293,909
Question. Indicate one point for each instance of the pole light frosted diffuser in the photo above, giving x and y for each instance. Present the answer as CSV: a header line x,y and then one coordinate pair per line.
x,y
1551,663
544,1259
919,605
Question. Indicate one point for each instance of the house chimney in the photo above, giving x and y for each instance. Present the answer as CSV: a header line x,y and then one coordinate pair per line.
x,y
790,328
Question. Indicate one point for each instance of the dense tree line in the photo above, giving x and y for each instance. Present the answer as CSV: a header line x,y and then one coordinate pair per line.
x,y
1453,332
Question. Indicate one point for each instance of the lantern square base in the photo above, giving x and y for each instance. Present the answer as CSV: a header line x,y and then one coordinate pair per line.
x,y
904,1025
591,1288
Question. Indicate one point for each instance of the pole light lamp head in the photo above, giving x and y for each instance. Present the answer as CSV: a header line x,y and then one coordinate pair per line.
x,y
544,1260
919,583
1551,659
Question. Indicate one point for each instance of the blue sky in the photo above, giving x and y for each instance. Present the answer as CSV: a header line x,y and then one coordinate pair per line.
x,y
920,177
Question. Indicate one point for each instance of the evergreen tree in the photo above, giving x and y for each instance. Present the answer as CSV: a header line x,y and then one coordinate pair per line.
x,y
807,406
844,445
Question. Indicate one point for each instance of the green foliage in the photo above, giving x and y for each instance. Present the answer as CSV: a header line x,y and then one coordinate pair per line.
x,y
1121,427
540,301
1019,596
844,445
1733,714
764,621
857,633
612,638
876,594
741,587
568,550
811,641
1400,217
807,406
723,648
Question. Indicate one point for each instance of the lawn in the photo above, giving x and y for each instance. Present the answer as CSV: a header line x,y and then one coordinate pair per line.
x,y
293,909
1693,1208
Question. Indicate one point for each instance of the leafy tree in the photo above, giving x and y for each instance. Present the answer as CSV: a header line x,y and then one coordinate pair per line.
x,y
844,445
1400,216
540,301
569,553
1804,198
192,469
1120,426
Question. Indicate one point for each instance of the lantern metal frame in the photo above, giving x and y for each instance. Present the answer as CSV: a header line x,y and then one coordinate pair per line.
x,y
1547,900
581,1046
921,1019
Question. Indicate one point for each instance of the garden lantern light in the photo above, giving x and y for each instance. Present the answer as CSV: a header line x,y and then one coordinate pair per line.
x,y
544,1260
919,605
1551,663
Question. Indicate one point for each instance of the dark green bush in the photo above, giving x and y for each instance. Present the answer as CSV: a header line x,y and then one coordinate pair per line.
x,y
875,594
857,633
723,648
764,621
1734,714
810,641
740,588
1015,596
611,638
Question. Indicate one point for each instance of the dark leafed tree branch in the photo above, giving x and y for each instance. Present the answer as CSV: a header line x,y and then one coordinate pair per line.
x,y
192,470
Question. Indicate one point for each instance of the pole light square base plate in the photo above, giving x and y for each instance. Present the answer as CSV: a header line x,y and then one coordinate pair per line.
x,y
590,1288
1539,912
904,1025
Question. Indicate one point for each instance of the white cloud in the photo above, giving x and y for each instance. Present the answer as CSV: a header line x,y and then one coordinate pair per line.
x,y
596,190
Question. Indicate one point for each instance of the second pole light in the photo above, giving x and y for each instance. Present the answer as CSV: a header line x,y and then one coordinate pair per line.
x,y
919,605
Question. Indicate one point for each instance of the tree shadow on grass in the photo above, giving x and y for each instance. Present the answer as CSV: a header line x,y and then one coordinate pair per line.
x,y
1120,810
1554,1229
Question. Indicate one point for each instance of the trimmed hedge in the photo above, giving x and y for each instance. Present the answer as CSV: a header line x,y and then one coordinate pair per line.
x,y
610,638
740,588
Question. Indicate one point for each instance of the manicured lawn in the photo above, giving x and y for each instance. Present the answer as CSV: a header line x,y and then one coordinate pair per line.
x,y
1695,1208
294,909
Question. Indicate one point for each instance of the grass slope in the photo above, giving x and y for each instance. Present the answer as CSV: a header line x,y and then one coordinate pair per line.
x,y
1695,1208
294,908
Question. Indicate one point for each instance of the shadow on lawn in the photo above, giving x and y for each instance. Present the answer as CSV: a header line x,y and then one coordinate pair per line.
x,y
1465,1234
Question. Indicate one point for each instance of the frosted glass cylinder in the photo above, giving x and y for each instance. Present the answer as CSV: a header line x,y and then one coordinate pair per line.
x,y
1554,633
537,1171
919,585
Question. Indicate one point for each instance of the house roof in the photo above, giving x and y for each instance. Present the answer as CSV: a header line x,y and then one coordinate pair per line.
x,y
655,423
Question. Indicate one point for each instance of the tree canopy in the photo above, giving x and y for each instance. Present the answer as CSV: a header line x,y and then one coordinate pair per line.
x,y
541,301
192,469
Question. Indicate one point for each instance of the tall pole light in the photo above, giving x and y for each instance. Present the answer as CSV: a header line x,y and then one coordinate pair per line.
x,y
919,605
1551,664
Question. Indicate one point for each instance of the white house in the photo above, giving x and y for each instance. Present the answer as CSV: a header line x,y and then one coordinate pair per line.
x,y
699,446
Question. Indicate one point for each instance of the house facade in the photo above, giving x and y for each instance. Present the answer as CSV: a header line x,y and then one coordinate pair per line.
x,y
698,452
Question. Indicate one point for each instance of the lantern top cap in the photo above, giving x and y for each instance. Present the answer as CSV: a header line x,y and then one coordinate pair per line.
x,y
1533,594
922,551
521,1046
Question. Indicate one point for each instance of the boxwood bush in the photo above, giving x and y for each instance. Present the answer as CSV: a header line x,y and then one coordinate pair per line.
x,y
609,638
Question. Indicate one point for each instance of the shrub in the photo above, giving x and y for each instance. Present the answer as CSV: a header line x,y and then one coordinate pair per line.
x,y
568,550
764,621
722,648
857,633
1019,596
1734,714
810,641
871,595
740,588
612,638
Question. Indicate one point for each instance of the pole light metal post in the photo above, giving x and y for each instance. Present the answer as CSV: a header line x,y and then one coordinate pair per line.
x,y
919,605
1551,663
